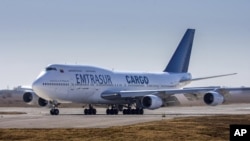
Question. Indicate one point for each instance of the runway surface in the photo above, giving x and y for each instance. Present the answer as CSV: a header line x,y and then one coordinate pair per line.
x,y
73,117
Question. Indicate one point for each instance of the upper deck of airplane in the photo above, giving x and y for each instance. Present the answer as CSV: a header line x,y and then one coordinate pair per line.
x,y
74,68
93,69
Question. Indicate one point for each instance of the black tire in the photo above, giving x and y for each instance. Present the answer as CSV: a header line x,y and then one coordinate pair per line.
x,y
52,112
111,111
107,111
124,111
86,111
141,111
89,111
56,112
133,111
137,111
129,111
116,111
94,111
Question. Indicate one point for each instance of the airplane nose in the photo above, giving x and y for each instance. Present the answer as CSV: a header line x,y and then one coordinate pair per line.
x,y
36,85
38,88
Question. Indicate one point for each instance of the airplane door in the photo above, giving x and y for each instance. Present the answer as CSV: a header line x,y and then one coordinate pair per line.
x,y
71,85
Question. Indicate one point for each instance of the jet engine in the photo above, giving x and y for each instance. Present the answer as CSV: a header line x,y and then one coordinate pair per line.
x,y
32,99
213,98
151,102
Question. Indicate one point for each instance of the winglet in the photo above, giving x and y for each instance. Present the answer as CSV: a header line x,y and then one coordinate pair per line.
x,y
180,60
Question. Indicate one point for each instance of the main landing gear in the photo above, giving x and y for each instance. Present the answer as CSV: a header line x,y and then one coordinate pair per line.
x,y
90,111
129,111
137,111
112,111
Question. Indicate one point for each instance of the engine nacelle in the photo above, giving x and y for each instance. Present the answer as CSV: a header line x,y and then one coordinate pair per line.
x,y
213,98
32,99
42,102
151,102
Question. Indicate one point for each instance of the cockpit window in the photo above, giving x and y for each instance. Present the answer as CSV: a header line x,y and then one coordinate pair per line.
x,y
50,69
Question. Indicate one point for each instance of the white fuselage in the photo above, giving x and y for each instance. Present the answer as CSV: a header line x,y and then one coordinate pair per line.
x,y
85,84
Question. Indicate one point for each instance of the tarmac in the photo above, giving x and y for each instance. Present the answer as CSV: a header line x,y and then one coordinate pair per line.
x,y
27,117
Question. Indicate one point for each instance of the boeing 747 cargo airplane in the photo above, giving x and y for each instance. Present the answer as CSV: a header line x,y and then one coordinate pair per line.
x,y
128,92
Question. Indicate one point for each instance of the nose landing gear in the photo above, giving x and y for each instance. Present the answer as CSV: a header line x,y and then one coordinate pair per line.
x,y
54,110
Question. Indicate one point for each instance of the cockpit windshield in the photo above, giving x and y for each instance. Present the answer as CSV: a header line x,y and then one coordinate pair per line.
x,y
50,69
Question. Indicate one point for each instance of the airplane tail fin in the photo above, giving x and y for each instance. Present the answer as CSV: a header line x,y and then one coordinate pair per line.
x,y
180,60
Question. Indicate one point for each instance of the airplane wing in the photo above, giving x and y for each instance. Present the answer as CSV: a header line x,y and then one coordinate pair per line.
x,y
115,95
209,77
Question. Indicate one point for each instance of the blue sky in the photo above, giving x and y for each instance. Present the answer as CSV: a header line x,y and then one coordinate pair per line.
x,y
127,35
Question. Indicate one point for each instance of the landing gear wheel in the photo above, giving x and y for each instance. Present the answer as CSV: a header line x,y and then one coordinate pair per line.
x,y
116,111
141,111
112,111
94,111
138,111
125,111
54,112
90,111
86,111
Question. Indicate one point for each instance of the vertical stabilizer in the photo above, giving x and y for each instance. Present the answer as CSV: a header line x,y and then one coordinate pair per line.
x,y
180,60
